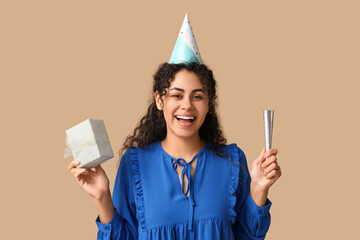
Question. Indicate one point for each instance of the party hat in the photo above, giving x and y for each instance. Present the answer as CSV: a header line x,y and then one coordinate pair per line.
x,y
186,49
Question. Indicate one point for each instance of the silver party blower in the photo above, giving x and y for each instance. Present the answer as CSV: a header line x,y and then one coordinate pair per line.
x,y
268,124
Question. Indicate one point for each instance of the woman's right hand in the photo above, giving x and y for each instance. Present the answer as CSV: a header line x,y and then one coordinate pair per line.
x,y
95,183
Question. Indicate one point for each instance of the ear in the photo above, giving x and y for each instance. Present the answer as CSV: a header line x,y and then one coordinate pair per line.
x,y
159,104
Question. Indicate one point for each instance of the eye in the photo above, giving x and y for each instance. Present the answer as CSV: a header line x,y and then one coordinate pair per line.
x,y
198,97
176,96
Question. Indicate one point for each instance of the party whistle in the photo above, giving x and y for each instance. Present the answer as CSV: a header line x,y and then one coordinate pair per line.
x,y
268,126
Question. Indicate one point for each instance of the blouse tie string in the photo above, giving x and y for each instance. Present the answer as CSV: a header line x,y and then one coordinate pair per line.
x,y
187,172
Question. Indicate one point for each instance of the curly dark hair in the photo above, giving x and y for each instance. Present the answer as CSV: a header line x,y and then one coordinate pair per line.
x,y
152,127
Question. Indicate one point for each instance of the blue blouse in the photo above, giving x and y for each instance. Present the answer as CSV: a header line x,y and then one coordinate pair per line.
x,y
150,203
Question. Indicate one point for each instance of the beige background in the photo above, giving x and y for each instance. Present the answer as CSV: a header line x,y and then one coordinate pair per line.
x,y
65,61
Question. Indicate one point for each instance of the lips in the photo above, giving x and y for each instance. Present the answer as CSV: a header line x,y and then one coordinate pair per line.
x,y
185,121
185,118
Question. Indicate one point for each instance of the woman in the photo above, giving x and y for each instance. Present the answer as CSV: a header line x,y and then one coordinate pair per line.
x,y
178,179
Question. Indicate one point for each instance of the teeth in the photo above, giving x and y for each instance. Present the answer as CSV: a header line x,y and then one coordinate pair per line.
x,y
182,117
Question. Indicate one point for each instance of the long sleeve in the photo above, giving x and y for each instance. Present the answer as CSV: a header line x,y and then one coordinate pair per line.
x,y
124,223
252,222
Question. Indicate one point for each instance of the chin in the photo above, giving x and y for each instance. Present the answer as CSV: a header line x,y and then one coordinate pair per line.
x,y
187,135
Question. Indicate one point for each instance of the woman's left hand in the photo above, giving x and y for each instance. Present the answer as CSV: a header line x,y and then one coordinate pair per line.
x,y
264,172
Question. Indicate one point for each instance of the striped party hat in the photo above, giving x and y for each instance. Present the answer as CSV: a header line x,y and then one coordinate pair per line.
x,y
186,49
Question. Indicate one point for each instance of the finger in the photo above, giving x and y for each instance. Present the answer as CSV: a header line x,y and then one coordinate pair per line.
x,y
272,151
273,174
73,164
272,159
75,171
87,171
78,173
270,168
99,169
261,157
276,173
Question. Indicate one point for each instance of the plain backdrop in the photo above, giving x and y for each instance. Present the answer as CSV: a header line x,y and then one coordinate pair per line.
x,y
64,61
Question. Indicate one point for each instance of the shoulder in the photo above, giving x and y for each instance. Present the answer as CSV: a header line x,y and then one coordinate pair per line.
x,y
136,153
233,150
230,147
148,148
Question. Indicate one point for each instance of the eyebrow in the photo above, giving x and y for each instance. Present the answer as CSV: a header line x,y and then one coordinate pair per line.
x,y
182,90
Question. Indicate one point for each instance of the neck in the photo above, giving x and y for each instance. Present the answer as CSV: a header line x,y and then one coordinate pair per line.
x,y
185,148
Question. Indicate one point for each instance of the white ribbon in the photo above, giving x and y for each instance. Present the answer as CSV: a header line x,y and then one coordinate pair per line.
x,y
75,146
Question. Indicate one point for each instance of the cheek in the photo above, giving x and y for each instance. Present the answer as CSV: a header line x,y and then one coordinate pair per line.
x,y
204,108
168,111
170,106
202,112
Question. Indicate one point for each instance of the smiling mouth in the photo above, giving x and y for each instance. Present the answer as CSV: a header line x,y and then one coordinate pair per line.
x,y
185,119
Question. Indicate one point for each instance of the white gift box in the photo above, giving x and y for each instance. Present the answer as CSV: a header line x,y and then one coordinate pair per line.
x,y
89,143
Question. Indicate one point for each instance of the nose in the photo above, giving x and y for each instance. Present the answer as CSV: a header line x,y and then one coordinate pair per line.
x,y
186,103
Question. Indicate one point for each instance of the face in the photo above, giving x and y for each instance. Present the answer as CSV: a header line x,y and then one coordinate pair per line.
x,y
185,105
